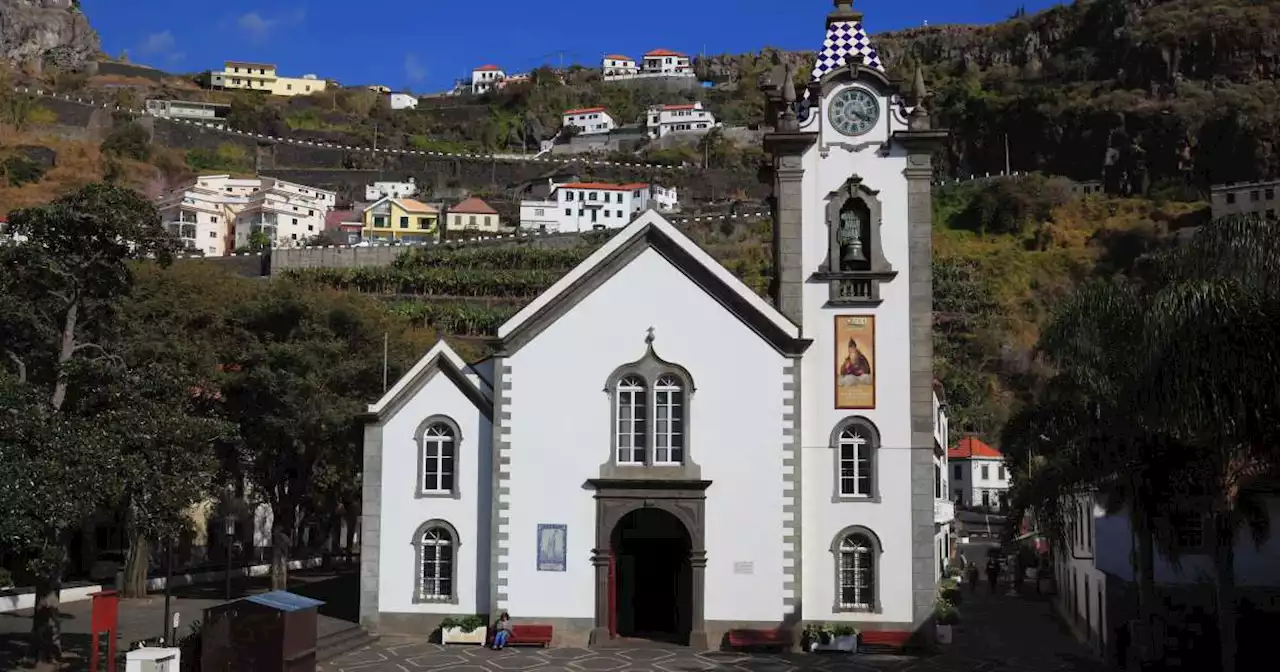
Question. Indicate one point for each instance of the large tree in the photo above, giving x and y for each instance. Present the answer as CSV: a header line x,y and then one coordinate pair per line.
x,y
60,297
303,365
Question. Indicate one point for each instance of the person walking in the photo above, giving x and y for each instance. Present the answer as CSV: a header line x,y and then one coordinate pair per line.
x,y
971,576
993,573
501,631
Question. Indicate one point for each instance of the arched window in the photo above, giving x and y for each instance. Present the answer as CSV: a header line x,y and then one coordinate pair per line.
x,y
855,441
668,446
439,448
632,412
857,552
437,546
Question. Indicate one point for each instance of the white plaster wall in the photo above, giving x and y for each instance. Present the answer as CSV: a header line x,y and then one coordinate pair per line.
x,y
890,516
560,434
403,511
1076,567
972,483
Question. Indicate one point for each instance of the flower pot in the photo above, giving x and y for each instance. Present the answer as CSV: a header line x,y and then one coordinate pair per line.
x,y
944,634
848,643
457,636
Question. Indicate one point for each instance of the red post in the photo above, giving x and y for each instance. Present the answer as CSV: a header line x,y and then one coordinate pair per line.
x,y
104,621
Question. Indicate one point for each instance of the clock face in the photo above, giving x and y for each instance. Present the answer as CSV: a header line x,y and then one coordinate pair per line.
x,y
854,111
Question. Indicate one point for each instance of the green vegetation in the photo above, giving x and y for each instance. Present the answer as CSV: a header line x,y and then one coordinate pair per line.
x,y
19,170
128,141
228,157
467,623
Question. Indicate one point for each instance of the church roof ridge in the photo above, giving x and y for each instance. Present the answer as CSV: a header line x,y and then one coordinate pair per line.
x,y
441,357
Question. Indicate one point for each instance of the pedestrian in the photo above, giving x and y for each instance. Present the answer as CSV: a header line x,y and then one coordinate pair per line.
x,y
501,631
993,572
971,577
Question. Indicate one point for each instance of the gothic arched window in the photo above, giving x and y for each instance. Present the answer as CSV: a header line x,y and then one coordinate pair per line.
x,y
437,544
857,552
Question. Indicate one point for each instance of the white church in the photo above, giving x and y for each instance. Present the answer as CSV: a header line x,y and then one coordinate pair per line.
x,y
655,451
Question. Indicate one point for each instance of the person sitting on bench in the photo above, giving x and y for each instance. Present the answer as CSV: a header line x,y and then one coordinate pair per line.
x,y
501,631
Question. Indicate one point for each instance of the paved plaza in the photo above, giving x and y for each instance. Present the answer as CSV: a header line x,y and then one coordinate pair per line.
x,y
1000,633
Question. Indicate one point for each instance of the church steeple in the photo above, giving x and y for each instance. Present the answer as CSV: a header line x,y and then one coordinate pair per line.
x,y
844,11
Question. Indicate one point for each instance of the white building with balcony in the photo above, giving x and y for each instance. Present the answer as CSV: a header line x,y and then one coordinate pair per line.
x,y
617,65
380,190
662,120
979,476
589,120
217,214
590,206
485,78
666,62
189,110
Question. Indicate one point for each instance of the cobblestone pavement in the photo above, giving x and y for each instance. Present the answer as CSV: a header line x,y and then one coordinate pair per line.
x,y
1000,633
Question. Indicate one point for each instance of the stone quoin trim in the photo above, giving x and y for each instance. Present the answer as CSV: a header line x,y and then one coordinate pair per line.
x,y
454,492
877,551
370,518
792,499
500,519
419,555
873,439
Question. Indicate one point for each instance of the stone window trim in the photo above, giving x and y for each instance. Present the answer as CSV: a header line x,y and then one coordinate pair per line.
x,y
649,368
858,287
873,438
418,597
454,492
877,549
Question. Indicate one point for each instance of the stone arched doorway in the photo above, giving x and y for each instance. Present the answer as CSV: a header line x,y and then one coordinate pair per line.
x,y
651,577
656,520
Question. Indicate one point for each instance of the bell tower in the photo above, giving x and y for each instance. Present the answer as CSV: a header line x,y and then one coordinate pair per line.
x,y
850,163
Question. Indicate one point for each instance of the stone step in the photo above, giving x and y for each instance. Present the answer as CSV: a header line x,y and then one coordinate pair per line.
x,y
337,643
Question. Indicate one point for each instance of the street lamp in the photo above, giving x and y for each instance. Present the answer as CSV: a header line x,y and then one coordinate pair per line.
x,y
230,522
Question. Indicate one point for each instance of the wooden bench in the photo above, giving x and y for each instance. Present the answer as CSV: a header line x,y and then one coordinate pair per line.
x,y
531,635
759,639
882,641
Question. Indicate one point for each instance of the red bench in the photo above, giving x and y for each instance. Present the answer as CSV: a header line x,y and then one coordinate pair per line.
x,y
884,640
531,635
760,639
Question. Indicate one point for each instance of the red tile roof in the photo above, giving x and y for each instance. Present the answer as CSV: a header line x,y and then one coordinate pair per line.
x,y
663,52
473,206
972,447
585,110
618,57
606,187
488,67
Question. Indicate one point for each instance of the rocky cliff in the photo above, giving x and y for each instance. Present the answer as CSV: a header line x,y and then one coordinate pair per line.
x,y
46,33
1150,96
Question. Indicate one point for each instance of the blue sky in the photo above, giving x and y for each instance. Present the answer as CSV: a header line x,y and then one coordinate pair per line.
x,y
425,45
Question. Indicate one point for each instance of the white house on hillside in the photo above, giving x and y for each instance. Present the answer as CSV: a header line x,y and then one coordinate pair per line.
x,y
658,449
218,213
616,64
681,118
485,78
589,120
377,190
403,101
980,476
666,62
587,206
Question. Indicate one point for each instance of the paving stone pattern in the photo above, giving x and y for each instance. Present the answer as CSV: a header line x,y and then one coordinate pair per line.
x,y
1000,633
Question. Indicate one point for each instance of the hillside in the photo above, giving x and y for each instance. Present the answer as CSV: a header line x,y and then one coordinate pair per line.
x,y
38,34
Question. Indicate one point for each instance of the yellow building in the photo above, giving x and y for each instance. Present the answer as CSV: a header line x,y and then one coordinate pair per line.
x,y
473,214
263,77
400,219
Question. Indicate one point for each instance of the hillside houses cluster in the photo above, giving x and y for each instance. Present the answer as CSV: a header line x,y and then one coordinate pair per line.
x,y
593,206
659,120
614,67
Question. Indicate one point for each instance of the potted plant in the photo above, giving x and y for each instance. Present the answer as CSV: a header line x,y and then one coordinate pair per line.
x,y
464,630
830,637
945,615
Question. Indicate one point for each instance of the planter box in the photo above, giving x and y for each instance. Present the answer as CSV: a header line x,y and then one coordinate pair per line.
x,y
457,636
944,634
848,643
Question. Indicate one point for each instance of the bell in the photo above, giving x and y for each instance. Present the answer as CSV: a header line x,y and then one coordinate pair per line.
x,y
853,252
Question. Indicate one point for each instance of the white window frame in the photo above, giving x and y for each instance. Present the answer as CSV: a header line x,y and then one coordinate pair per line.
x,y
852,439
439,434
429,540
668,400
856,551
631,393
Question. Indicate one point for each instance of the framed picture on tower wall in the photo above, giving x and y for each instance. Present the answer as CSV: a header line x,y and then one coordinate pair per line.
x,y
855,361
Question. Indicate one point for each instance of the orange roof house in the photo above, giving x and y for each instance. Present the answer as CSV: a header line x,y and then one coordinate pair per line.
x,y
473,206
973,447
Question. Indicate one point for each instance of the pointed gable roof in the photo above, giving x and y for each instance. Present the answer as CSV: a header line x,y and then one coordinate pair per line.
x,y
439,359
970,447
652,231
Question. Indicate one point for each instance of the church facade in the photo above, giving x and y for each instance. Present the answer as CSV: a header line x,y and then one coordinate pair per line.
x,y
656,451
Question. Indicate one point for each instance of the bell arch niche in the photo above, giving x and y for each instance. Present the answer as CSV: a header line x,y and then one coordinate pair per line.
x,y
855,265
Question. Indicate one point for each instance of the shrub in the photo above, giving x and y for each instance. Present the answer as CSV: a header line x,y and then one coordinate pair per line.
x,y
129,141
945,613
20,170
465,623
6,579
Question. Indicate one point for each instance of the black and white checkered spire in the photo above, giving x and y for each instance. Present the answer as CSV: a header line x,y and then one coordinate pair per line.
x,y
845,36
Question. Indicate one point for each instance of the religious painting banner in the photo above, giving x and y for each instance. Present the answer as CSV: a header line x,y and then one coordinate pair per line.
x,y
551,547
855,361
